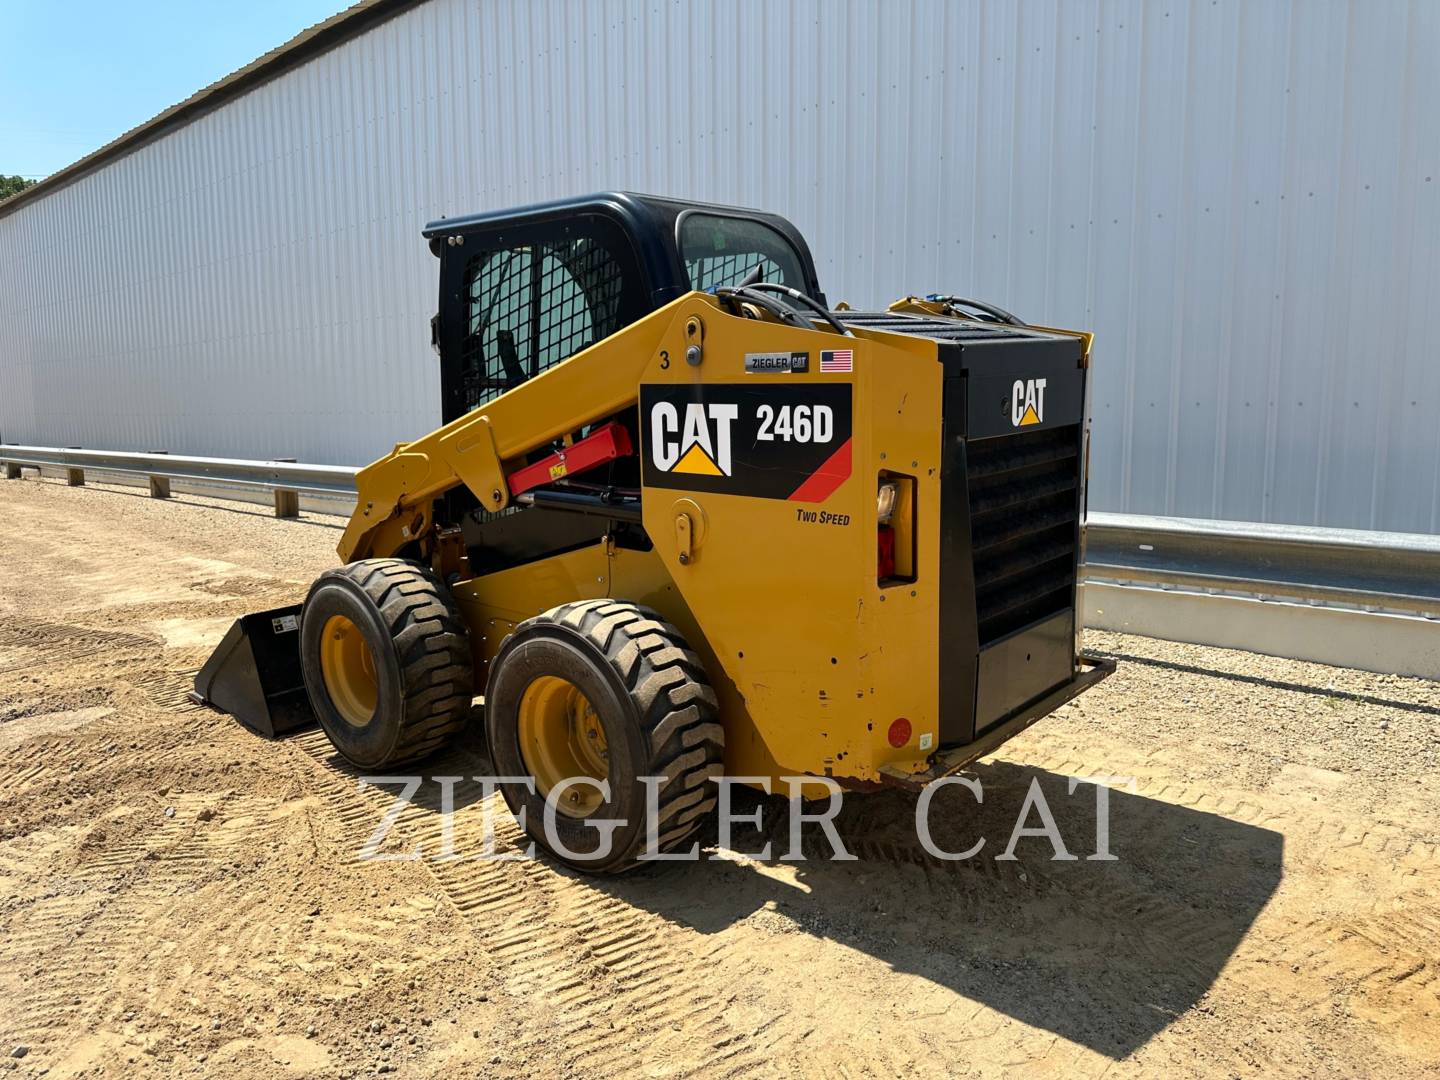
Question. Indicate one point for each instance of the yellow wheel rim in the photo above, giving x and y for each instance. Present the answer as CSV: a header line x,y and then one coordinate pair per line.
x,y
348,667
561,737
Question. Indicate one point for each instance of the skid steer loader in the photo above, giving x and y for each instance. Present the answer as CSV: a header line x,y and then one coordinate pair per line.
x,y
684,520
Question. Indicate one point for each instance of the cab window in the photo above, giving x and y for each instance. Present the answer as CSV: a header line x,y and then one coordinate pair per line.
x,y
719,250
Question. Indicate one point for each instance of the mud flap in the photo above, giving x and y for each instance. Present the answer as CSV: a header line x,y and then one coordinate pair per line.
x,y
255,676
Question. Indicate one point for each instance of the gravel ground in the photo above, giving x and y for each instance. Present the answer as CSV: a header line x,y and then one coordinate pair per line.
x,y
178,897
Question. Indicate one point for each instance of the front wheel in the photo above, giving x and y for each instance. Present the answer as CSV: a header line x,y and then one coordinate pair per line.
x,y
587,699
387,661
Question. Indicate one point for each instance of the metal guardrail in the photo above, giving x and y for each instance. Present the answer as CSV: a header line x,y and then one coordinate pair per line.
x,y
287,479
1389,571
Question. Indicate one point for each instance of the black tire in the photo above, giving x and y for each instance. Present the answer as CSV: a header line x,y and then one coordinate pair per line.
x,y
660,719
423,674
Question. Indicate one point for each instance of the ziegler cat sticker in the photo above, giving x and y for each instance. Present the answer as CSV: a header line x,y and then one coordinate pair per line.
x,y
764,441
769,363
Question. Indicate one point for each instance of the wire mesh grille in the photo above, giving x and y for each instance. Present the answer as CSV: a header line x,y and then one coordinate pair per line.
x,y
531,307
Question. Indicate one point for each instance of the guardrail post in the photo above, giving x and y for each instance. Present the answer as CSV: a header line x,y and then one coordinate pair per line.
x,y
12,471
74,477
159,485
287,503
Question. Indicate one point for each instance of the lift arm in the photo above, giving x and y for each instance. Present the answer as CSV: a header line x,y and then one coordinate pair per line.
x,y
396,493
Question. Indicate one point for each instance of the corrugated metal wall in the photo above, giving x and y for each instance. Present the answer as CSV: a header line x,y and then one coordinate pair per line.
x,y
1241,197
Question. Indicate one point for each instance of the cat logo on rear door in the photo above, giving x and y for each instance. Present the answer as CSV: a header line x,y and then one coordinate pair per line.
x,y
1027,402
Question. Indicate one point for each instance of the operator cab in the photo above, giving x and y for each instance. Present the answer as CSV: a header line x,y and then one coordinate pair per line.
x,y
522,290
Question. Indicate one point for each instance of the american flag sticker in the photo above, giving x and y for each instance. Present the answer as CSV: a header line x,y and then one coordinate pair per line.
x,y
837,360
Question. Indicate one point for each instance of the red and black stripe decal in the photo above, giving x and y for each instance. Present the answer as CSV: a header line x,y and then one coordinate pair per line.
x,y
824,481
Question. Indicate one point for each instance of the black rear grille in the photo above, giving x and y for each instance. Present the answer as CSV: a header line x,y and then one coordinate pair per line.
x,y
1024,510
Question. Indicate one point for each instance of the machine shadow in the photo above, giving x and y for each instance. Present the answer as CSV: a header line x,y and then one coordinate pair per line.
x,y
1105,954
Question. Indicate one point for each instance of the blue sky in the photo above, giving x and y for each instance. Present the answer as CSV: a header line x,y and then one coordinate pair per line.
x,y
76,73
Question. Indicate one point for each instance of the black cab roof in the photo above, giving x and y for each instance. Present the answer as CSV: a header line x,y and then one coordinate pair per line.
x,y
656,226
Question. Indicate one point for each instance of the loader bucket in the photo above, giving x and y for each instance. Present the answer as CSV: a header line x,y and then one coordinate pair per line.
x,y
254,674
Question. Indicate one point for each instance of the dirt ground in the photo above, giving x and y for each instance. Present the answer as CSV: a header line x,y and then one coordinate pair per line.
x,y
179,897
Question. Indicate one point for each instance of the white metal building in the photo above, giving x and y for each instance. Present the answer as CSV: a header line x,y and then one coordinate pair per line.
x,y
1241,198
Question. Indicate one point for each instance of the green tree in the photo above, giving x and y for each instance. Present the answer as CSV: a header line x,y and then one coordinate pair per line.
x,y
13,185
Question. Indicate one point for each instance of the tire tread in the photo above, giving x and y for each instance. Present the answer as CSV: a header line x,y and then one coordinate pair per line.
x,y
432,644
678,708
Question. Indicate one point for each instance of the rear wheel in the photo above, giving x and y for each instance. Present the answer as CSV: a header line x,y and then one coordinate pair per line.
x,y
387,661
606,691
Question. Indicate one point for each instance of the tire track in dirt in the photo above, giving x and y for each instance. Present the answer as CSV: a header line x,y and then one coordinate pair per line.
x,y
1160,923
806,1043
19,778
49,982
67,953
654,979
73,945
1380,952
169,690
68,959
63,643
1310,821
602,968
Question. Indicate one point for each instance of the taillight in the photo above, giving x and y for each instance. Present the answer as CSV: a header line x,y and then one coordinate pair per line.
x,y
885,567
895,529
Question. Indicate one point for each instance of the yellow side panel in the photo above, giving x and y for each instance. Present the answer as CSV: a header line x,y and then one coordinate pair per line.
x,y
785,589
